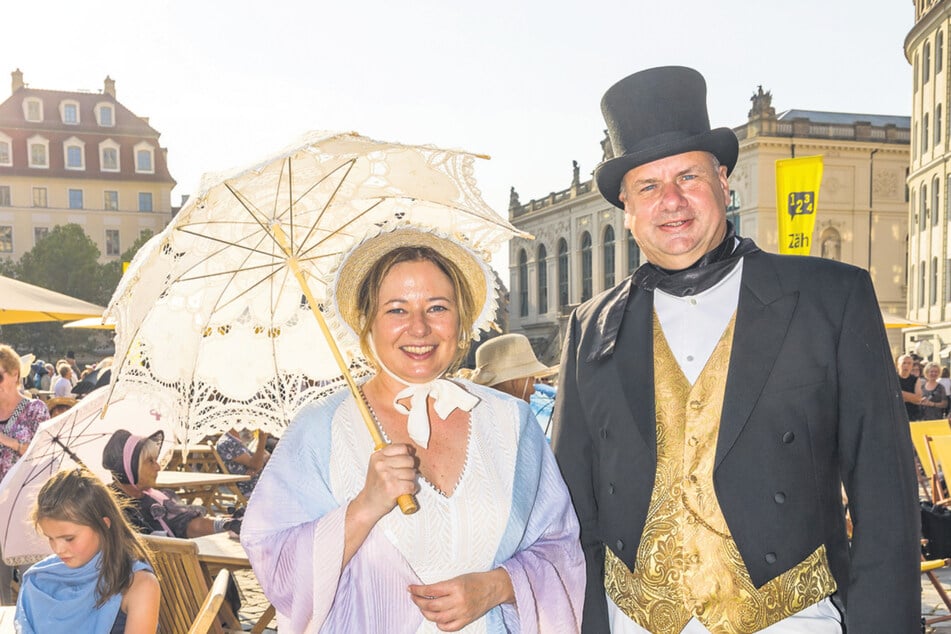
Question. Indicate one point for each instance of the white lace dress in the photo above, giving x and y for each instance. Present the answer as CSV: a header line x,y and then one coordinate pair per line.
x,y
448,536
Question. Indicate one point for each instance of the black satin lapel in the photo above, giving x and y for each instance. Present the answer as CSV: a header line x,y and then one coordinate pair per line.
x,y
634,360
762,321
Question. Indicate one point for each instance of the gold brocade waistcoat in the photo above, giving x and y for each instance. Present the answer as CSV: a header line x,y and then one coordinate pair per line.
x,y
687,563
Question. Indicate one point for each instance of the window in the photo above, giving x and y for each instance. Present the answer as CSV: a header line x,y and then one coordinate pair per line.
x,y
105,115
144,163
937,125
586,267
39,233
74,157
633,254
542,263
6,239
39,197
6,151
609,257
921,285
145,201
914,76
522,283
109,156
934,281
112,243
924,133
75,198
110,200
939,53
926,64
39,151
923,211
562,273
5,196
32,109
69,111
935,200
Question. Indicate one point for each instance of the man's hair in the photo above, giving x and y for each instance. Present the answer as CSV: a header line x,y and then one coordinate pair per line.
x,y
714,162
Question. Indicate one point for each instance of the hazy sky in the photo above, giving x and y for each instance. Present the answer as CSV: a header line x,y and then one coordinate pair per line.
x,y
229,82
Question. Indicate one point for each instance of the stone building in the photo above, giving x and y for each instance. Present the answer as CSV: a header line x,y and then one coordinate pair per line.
x,y
83,158
582,247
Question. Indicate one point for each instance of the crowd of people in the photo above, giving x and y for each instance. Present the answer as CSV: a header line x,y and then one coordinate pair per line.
x,y
712,410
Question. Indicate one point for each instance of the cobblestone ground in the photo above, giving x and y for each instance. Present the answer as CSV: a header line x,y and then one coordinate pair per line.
x,y
253,603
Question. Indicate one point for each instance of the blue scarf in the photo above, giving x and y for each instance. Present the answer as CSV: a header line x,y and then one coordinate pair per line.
x,y
56,598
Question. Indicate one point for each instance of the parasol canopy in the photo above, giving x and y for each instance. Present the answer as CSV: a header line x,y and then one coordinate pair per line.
x,y
22,303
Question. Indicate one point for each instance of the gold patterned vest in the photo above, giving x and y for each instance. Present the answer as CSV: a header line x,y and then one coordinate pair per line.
x,y
687,563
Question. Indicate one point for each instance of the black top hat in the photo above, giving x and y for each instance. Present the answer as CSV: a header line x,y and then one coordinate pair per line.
x,y
656,113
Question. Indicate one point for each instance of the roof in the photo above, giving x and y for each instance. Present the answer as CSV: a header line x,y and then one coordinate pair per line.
x,y
846,118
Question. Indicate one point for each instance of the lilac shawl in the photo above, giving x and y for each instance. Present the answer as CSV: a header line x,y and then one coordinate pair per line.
x,y
293,533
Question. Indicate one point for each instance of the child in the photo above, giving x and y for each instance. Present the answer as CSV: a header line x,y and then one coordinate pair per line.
x,y
99,580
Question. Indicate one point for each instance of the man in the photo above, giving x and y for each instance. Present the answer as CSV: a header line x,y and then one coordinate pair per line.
x,y
712,406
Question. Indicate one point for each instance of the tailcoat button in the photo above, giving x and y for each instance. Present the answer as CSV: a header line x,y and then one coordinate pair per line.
x,y
611,489
604,433
780,497
770,558
620,544
788,437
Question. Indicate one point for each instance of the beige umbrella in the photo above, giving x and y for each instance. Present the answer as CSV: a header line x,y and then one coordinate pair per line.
x,y
897,321
22,303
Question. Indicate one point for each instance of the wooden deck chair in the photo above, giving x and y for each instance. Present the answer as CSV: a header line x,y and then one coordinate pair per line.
x,y
183,583
939,455
927,568
208,612
920,429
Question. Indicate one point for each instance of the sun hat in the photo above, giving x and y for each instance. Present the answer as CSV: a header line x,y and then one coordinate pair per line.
x,y
357,262
121,454
656,113
26,363
507,357
58,401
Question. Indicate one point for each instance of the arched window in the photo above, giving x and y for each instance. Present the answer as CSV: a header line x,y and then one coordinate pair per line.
x,y
633,253
914,75
608,256
937,125
586,267
924,133
926,64
562,273
934,281
522,283
831,244
542,265
935,200
921,284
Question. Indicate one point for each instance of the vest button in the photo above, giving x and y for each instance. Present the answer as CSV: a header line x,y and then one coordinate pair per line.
x,y
770,558
611,489
695,405
780,497
620,544
788,437
693,441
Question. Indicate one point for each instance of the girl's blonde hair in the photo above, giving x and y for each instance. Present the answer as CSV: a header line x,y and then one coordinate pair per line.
x,y
79,497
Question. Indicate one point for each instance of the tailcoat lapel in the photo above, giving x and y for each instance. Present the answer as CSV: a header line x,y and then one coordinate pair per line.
x,y
763,314
635,367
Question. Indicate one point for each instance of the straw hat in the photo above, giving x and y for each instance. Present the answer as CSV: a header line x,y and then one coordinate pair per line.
x,y
507,357
356,264
26,363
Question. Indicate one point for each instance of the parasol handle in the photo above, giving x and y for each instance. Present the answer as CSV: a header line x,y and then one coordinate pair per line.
x,y
407,502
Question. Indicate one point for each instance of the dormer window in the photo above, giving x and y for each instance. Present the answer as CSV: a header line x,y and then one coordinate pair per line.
x,y
144,159
39,149
6,150
33,109
69,111
109,156
105,115
74,154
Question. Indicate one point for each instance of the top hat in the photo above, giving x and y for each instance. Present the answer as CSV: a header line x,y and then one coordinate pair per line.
x,y
656,113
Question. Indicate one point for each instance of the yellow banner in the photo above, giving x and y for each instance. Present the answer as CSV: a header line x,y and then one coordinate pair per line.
x,y
797,200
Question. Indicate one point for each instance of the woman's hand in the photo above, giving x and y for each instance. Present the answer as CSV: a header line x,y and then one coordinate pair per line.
x,y
392,472
455,603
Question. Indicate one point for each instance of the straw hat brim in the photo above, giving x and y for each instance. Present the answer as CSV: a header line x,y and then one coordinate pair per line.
x,y
356,265
534,368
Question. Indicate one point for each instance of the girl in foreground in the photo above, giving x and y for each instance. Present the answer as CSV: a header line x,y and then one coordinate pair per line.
x,y
99,579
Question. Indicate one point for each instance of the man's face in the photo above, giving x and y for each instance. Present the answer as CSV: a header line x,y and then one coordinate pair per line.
x,y
675,208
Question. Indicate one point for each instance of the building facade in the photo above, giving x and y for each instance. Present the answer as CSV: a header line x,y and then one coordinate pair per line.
x,y
582,247
83,158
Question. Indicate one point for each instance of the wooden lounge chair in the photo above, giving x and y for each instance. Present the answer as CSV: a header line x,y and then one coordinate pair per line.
x,y
919,430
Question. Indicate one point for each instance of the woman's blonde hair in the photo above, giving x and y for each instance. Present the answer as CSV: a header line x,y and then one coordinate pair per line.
x,y
79,497
9,360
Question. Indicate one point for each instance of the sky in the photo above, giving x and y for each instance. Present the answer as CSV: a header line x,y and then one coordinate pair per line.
x,y
228,83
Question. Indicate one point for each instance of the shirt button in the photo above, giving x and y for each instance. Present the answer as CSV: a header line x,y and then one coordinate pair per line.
x,y
780,497
620,544
770,558
693,301
788,437
689,357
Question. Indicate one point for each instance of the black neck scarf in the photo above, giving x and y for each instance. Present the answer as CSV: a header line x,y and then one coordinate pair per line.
x,y
702,274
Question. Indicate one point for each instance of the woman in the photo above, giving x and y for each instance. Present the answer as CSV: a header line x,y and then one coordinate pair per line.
x,y
240,460
908,383
494,546
932,399
19,418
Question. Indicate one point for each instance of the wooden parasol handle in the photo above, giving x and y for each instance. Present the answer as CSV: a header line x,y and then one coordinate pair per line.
x,y
407,502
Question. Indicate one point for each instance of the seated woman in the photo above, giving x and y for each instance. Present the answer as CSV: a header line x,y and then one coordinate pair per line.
x,y
240,460
494,545
133,461
100,578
